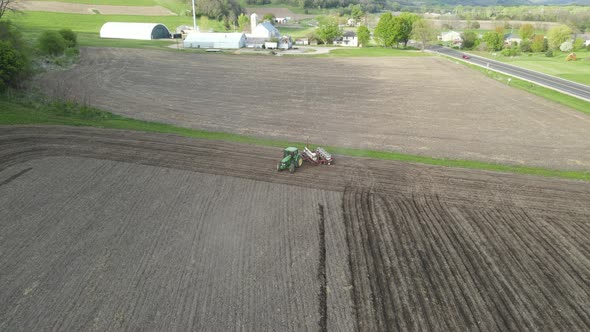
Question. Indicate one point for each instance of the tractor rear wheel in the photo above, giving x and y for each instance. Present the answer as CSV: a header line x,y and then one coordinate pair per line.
x,y
299,162
292,167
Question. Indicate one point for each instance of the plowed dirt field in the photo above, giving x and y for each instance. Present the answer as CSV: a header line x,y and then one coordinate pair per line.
x,y
418,105
107,230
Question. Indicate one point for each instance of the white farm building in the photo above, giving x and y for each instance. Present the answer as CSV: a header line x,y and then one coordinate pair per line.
x,y
450,36
141,31
265,30
232,40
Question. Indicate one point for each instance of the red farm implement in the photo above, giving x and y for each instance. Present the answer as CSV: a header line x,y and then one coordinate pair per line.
x,y
317,157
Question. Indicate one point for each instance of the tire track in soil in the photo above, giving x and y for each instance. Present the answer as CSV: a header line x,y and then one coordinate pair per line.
x,y
457,280
551,270
496,290
430,297
430,253
499,242
15,176
569,276
323,294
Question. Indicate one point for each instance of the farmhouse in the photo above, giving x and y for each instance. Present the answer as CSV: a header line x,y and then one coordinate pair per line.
x,y
512,38
450,36
215,40
351,22
141,31
349,38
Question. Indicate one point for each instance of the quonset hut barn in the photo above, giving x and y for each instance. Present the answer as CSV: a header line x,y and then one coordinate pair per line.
x,y
141,31
215,40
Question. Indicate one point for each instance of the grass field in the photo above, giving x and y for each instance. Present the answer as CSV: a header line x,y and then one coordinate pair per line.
x,y
577,71
16,113
296,32
173,5
88,27
372,52
573,102
111,2
35,22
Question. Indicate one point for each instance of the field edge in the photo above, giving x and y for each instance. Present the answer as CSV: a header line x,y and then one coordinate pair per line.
x,y
14,113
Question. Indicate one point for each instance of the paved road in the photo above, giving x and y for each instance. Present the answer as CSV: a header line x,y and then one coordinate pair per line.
x,y
571,88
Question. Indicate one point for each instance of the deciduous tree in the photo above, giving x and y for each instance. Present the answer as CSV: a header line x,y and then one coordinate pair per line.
x,y
269,17
468,40
403,27
328,29
356,12
51,43
12,65
243,22
494,40
6,5
364,35
557,35
424,31
384,31
538,44
526,31
204,24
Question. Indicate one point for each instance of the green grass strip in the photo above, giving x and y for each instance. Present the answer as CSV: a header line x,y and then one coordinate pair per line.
x,y
372,52
550,94
31,112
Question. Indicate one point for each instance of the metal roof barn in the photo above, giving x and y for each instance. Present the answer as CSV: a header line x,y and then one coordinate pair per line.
x,y
141,31
215,40
266,30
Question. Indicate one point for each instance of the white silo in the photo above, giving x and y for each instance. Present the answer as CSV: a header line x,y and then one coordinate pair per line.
x,y
253,22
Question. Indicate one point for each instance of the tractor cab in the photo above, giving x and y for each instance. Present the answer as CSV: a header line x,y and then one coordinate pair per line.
x,y
290,151
291,159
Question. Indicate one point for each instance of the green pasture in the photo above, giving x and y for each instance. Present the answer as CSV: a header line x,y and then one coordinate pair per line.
x,y
41,21
88,26
296,32
372,52
558,97
173,5
577,71
111,2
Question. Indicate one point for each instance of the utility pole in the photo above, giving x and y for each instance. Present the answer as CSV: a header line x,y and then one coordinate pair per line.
x,y
194,17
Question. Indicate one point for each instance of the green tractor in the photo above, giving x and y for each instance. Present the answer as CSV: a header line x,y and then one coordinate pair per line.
x,y
291,159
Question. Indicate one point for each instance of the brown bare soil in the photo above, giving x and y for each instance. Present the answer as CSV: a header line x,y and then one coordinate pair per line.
x,y
425,106
105,229
78,8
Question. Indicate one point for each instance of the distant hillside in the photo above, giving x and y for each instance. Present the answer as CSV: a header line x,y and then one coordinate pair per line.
x,y
491,2
466,2
561,2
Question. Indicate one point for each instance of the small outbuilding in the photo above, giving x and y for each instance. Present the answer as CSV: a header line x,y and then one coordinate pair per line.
x,y
512,38
140,31
450,36
232,40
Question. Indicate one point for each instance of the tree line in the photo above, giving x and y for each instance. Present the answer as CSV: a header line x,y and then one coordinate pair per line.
x,y
19,58
558,38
